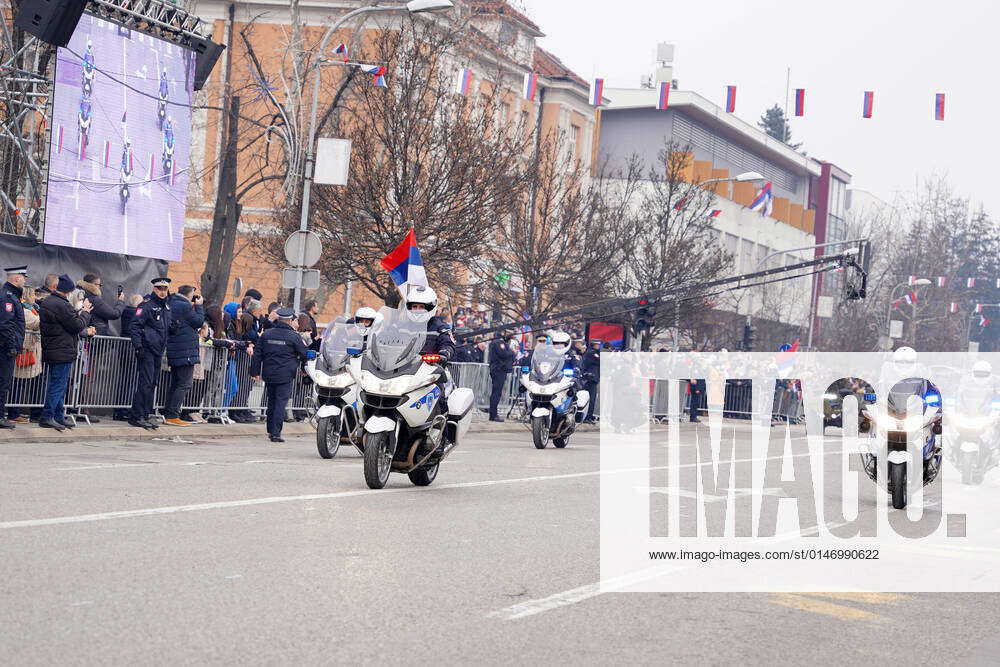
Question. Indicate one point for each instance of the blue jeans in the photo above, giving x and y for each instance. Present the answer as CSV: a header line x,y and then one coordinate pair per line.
x,y
55,391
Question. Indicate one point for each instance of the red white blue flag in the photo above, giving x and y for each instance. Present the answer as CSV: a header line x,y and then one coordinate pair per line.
x,y
785,359
597,92
404,263
764,201
800,101
953,308
983,321
939,106
911,280
530,86
730,99
971,282
979,307
463,81
342,50
714,213
378,74
60,138
869,104
663,99
910,298
942,281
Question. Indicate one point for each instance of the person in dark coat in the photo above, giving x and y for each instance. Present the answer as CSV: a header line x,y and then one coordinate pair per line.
x,y
102,312
11,333
502,357
187,316
307,323
591,369
276,359
61,326
124,392
148,331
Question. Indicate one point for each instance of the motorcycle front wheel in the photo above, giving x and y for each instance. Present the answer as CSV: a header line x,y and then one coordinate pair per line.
x,y
540,432
378,460
328,437
968,464
897,482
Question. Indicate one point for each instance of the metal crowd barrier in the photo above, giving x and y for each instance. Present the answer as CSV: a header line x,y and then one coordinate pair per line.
x,y
105,376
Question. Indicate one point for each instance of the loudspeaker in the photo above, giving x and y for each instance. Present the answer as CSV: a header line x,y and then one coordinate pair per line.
x,y
207,53
52,21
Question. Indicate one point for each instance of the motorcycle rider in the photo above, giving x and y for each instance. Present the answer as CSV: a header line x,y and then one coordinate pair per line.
x,y
164,85
562,342
126,162
421,308
366,319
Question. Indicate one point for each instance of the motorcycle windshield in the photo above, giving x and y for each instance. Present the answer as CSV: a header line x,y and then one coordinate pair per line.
x,y
340,341
397,342
975,398
547,364
900,393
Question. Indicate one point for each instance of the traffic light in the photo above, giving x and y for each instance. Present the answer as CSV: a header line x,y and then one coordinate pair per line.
x,y
643,316
748,335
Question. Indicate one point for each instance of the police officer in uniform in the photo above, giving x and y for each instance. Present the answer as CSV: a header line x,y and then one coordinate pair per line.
x,y
148,330
277,357
501,361
11,333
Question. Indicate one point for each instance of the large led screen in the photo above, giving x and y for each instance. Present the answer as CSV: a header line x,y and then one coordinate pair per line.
x,y
121,132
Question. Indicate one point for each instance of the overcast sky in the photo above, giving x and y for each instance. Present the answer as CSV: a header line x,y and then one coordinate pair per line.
x,y
904,51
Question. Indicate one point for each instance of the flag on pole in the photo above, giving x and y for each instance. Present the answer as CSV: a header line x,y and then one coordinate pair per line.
x,y
942,281
596,92
378,74
663,99
911,280
910,298
983,321
342,50
785,359
404,264
953,308
869,104
713,213
107,154
463,81
971,282
60,138
682,202
730,99
124,114
764,201
530,86
979,307
800,101
939,106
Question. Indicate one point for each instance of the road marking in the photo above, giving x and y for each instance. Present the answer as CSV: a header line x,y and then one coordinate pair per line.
x,y
867,598
808,604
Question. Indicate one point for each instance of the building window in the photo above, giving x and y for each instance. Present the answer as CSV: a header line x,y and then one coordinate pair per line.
x,y
575,135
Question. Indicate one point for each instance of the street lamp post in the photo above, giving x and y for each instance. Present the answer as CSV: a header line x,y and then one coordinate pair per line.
x,y
919,282
414,7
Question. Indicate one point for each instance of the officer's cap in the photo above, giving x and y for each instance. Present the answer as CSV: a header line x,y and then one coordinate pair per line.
x,y
160,282
17,270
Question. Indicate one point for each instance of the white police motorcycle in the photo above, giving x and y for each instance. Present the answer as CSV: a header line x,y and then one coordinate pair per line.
x,y
406,426
551,403
892,426
336,392
973,432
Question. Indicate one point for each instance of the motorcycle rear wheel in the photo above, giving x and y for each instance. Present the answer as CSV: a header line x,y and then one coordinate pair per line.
x,y
540,432
897,482
378,460
328,437
424,476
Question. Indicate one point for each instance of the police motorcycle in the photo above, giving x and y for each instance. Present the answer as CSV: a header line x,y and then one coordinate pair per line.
x,y
168,147
889,426
84,117
973,431
337,413
88,71
161,105
406,426
551,402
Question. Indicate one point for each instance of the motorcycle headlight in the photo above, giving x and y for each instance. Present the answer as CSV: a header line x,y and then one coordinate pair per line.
x,y
829,397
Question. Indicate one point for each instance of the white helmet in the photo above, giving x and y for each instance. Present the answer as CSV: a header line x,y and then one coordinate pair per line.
x,y
366,313
904,359
982,372
424,296
560,340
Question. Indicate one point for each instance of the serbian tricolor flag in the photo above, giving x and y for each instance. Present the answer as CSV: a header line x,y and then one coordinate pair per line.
x,y
530,86
342,50
682,202
463,81
730,99
942,281
953,308
939,106
979,307
983,322
404,263
800,101
596,92
663,99
869,104
713,213
785,359
911,280
910,298
378,74
764,200
971,282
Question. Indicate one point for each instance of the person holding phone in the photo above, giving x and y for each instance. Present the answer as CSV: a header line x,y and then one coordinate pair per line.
x,y
61,326
187,316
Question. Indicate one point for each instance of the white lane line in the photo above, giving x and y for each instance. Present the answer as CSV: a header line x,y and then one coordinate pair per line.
x,y
174,509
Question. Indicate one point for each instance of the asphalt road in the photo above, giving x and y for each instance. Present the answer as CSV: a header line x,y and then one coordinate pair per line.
x,y
241,551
